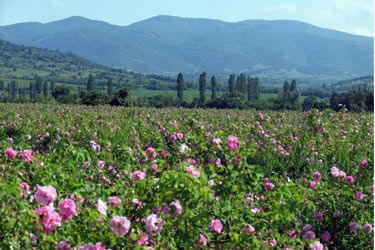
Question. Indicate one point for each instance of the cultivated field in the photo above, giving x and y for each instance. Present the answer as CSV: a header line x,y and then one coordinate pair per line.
x,y
76,177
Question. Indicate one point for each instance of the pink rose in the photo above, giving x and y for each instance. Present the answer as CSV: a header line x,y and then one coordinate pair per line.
x,y
326,236
120,225
272,242
180,136
178,207
139,175
363,164
101,206
10,153
316,246
45,194
67,209
62,245
153,224
48,218
317,176
353,226
202,239
349,180
27,155
269,186
216,226
232,142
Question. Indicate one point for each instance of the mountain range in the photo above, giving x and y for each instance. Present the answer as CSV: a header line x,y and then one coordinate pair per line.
x,y
168,45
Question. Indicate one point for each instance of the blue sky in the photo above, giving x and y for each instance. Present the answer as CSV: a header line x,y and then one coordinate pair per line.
x,y
352,16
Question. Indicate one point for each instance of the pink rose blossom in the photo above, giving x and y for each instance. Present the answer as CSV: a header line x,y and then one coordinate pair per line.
x,y
101,206
232,142
48,218
248,229
367,228
180,136
318,216
62,245
272,242
114,201
178,207
309,235
153,224
191,170
139,175
45,194
335,172
101,164
349,180
317,176
307,227
99,246
353,226
316,246
363,164
326,236
27,155
10,153
358,196
313,184
67,209
202,239
269,186
119,225
173,138
86,247
216,226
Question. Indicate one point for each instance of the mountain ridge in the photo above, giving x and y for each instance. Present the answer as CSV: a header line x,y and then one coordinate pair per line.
x,y
169,44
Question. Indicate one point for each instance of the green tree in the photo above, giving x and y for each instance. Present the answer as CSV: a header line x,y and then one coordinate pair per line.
x,y
91,83
241,84
250,88
308,103
202,87
180,87
120,98
256,88
52,87
38,85
45,88
32,90
12,89
213,87
1,85
93,97
61,90
110,87
293,93
231,81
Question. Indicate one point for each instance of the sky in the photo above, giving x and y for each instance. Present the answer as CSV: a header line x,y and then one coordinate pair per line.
x,y
352,16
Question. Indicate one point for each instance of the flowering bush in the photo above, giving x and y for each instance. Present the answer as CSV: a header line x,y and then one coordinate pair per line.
x,y
132,178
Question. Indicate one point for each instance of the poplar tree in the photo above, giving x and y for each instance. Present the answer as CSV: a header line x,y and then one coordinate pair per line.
x,y
231,83
45,88
180,87
202,87
110,87
213,88
91,83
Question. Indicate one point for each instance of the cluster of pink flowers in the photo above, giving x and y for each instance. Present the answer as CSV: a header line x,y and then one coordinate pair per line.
x,y
67,209
120,225
338,173
138,175
232,142
191,170
95,146
48,218
154,224
10,153
45,194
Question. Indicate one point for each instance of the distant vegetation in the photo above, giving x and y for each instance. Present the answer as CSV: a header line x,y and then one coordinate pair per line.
x,y
38,75
273,50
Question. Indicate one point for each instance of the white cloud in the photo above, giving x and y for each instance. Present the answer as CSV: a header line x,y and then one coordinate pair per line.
x,y
361,31
280,8
350,5
56,3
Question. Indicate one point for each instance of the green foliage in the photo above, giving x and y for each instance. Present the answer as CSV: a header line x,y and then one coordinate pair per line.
x,y
213,87
202,87
93,97
240,86
110,88
91,82
120,98
61,90
180,86
231,81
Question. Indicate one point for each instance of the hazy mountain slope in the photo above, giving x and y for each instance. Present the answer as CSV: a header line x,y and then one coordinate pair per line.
x,y
165,44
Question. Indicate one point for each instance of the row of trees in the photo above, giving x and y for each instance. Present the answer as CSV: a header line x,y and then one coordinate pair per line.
x,y
244,85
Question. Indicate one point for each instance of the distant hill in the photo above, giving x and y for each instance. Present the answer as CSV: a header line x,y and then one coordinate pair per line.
x,y
365,82
165,44
18,62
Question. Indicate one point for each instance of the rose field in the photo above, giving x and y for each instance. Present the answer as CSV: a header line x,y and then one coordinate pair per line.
x,y
77,177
